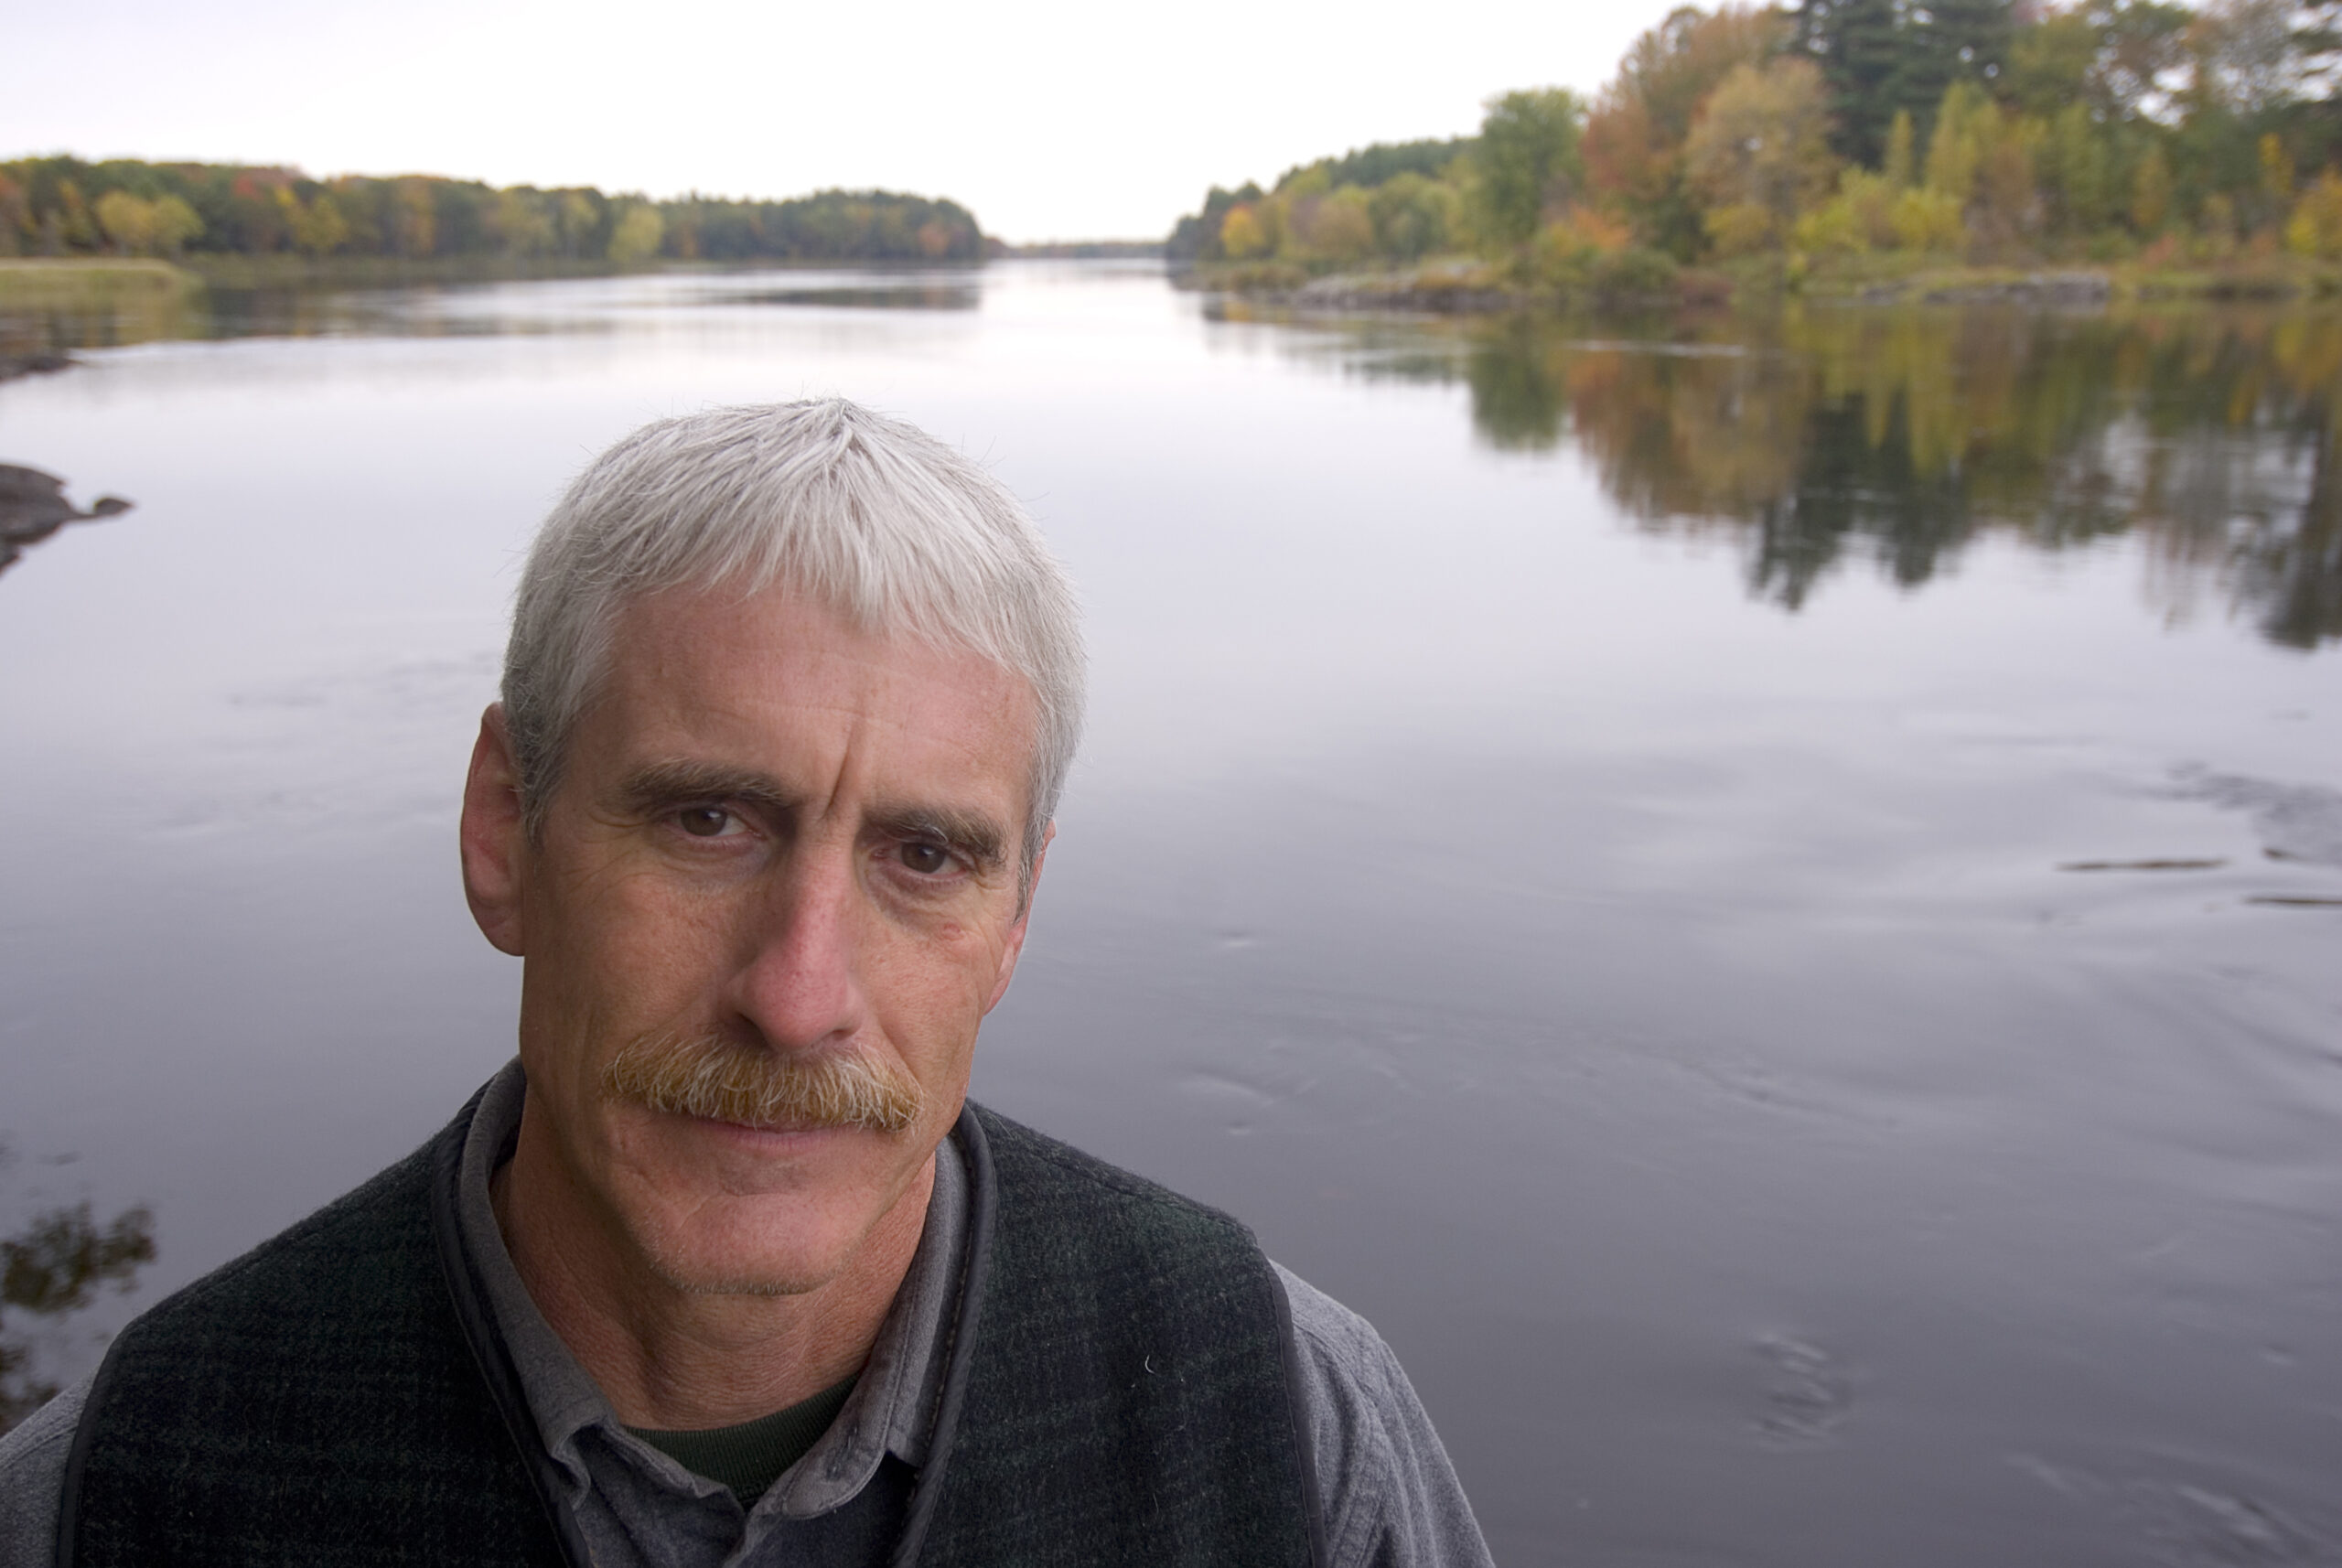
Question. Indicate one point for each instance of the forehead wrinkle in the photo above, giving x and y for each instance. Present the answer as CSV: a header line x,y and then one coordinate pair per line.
x,y
854,690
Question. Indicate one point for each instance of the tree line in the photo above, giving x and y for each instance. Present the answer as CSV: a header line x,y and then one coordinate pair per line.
x,y
63,205
1975,130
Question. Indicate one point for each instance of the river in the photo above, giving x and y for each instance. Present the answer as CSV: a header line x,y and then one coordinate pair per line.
x,y
1764,898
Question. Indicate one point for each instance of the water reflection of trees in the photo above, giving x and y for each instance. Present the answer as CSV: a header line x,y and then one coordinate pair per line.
x,y
1899,436
451,308
50,1269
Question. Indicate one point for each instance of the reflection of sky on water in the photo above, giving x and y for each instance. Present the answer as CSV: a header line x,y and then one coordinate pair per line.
x,y
1666,1016
567,307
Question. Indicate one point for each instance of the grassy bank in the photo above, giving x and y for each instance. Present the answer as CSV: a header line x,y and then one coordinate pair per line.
x,y
49,306
292,272
68,282
287,271
1463,284
89,280
44,282
1905,277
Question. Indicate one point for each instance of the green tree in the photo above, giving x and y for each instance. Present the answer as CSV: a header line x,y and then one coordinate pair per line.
x,y
128,221
415,217
62,205
16,222
2151,193
144,225
176,224
1527,160
1958,144
2077,172
1373,167
1899,164
1926,220
637,234
580,219
1761,147
1880,57
1865,57
317,225
1859,217
1241,235
2316,227
1412,216
76,219
1337,227
1961,40
525,224
2276,169
2052,61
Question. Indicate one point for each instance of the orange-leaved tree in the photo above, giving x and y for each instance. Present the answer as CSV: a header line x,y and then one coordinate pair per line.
x,y
1634,138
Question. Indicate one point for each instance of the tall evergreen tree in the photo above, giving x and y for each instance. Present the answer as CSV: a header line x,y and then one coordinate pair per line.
x,y
1880,57
1952,40
1861,46
1971,36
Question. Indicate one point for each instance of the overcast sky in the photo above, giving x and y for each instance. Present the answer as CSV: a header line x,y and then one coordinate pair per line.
x,y
1049,119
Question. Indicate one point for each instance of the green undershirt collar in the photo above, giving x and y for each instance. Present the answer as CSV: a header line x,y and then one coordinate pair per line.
x,y
750,1457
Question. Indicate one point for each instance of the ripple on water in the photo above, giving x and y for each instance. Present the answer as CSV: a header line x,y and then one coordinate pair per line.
x,y
1806,1392
2294,821
2182,1523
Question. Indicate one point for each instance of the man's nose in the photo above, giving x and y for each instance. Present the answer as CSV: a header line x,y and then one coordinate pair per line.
x,y
799,981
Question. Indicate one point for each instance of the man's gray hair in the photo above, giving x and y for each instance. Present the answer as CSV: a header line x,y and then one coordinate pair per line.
x,y
876,519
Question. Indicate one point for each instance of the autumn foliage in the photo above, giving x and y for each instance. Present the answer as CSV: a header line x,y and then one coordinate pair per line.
x,y
1964,131
63,205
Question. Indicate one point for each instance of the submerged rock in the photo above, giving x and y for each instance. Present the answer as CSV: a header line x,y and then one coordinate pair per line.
x,y
33,506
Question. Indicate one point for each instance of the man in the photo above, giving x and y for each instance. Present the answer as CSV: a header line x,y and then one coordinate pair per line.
x,y
724,1269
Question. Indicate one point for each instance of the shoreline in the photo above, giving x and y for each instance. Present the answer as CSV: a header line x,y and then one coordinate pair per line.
x,y
74,279
1459,287
1449,286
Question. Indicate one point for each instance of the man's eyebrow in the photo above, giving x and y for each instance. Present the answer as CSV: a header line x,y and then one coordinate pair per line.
x,y
659,786
979,837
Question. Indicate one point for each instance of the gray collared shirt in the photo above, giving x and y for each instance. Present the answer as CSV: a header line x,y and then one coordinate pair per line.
x,y
1392,1498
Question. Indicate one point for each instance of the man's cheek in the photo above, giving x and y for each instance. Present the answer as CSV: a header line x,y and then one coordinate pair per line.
x,y
656,940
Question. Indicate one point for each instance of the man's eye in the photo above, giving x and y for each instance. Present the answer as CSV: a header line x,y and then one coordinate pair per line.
x,y
705,821
926,858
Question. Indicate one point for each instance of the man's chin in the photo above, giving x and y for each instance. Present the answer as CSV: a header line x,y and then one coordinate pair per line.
x,y
721,1209
779,1244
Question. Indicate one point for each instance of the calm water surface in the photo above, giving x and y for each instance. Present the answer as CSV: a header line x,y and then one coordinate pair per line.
x,y
1765,900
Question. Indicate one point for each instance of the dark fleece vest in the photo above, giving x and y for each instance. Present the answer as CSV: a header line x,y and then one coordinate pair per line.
x,y
1121,1389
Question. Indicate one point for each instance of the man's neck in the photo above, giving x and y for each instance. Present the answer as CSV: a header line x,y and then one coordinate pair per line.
x,y
681,1360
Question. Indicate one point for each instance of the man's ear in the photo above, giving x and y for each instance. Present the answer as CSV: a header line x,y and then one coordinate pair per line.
x,y
1015,948
493,838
